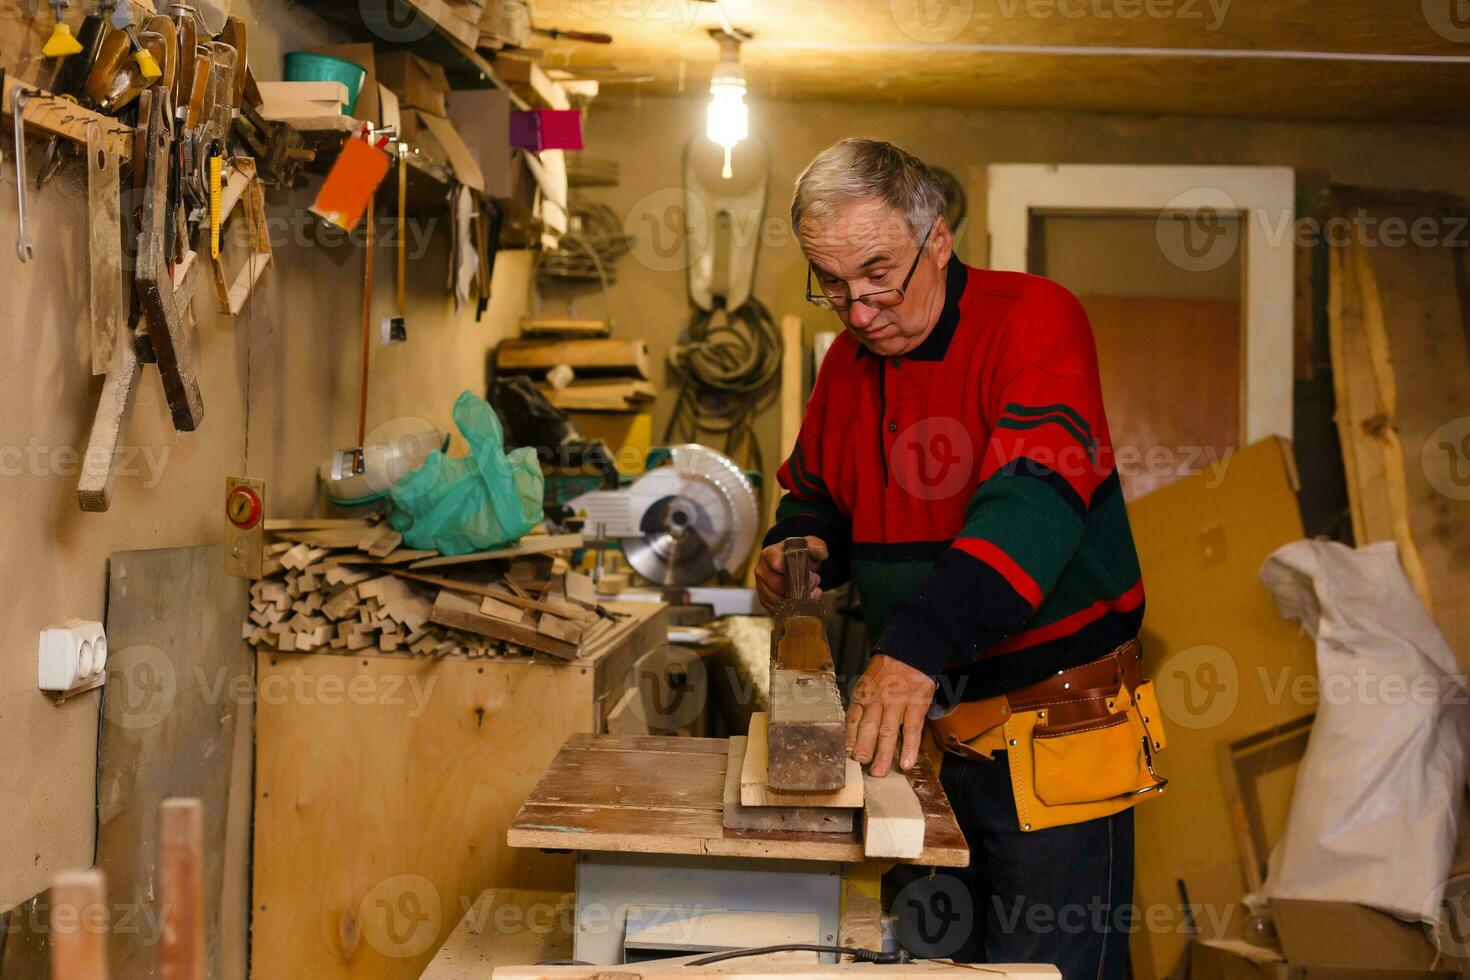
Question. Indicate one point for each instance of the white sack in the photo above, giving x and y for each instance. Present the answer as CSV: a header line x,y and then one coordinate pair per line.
x,y
1373,816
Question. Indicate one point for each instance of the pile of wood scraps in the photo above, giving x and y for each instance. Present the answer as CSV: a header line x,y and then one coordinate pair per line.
x,y
347,586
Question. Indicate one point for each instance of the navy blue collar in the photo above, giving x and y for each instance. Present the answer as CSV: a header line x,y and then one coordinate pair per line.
x,y
936,345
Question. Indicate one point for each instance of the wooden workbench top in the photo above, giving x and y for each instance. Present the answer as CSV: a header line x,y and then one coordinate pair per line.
x,y
661,795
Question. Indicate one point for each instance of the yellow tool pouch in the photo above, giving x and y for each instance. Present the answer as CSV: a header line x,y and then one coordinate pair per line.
x,y
1080,745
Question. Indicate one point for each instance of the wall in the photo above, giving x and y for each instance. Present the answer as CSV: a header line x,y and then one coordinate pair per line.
x,y
647,135
280,389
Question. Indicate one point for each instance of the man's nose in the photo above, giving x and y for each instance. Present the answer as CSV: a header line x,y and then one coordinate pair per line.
x,y
860,315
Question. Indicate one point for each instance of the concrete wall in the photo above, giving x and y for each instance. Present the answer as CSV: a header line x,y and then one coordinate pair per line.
x,y
647,136
280,390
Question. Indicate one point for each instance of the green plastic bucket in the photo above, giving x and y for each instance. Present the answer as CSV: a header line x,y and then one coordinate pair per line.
x,y
308,66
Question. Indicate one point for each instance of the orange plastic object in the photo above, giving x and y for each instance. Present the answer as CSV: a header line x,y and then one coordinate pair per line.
x,y
350,186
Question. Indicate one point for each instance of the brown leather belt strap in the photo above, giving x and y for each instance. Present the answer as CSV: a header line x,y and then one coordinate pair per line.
x,y
1084,692
1096,678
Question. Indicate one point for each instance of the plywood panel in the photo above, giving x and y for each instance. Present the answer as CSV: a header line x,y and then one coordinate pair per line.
x,y
380,815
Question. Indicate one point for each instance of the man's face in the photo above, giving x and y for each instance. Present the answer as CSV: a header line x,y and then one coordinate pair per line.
x,y
866,246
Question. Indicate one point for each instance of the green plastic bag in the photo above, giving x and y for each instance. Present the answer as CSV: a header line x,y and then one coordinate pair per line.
x,y
485,500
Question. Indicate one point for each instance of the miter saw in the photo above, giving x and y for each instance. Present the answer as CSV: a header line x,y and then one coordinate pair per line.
x,y
682,523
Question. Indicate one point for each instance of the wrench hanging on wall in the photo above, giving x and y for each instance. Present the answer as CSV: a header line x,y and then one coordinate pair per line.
x,y
24,246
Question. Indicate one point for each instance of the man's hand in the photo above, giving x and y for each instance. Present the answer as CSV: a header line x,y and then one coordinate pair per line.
x,y
770,571
891,698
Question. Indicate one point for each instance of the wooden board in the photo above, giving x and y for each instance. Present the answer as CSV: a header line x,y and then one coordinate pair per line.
x,y
738,816
594,396
1414,328
893,821
755,788
531,544
452,609
608,356
408,771
175,670
661,795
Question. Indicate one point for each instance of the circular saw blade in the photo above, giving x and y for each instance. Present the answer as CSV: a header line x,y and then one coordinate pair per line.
x,y
700,522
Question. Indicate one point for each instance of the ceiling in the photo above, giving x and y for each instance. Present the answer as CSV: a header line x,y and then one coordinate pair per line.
x,y
1347,59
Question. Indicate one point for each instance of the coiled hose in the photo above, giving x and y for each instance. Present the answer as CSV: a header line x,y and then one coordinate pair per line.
x,y
728,361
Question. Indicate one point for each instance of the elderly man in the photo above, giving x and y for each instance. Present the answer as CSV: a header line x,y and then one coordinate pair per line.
x,y
954,463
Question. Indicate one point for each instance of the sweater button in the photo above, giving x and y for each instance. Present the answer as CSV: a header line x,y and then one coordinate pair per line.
x,y
892,426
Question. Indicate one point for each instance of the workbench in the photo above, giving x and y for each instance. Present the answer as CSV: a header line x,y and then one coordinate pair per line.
x,y
384,785
645,817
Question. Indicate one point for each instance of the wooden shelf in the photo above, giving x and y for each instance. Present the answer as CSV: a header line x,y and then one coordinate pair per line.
x,y
435,32
427,180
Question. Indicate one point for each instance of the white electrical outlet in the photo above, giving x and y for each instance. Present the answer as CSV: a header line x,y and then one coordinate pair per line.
x,y
73,656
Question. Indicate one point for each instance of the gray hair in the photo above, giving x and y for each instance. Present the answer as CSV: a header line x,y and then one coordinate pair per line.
x,y
857,169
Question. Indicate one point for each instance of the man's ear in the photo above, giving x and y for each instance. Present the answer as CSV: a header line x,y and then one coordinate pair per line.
x,y
941,242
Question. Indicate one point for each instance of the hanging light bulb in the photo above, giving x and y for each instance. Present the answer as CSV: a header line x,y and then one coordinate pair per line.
x,y
729,118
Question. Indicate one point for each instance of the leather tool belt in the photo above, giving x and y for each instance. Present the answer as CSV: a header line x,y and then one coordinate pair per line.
x,y
1080,744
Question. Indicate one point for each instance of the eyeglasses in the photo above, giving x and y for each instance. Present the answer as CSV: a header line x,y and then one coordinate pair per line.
x,y
882,299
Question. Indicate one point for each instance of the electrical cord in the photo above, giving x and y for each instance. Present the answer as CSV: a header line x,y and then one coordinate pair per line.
x,y
728,361
862,955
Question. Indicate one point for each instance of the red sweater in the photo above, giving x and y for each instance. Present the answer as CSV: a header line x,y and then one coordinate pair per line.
x,y
968,489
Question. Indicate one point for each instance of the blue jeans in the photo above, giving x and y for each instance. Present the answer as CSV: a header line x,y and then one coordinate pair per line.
x,y
1061,896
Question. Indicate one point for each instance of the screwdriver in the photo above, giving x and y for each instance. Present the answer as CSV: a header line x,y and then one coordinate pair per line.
x,y
122,20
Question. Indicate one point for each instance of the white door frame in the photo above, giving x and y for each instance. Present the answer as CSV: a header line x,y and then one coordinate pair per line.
x,y
1263,198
